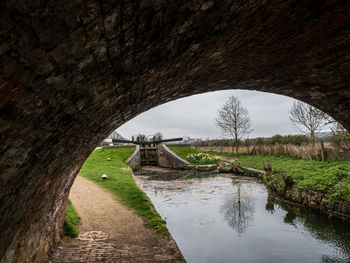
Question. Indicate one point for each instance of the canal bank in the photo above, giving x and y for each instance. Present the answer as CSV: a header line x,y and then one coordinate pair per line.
x,y
285,186
324,186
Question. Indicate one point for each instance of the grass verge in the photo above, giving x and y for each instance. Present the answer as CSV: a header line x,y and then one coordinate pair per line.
x,y
182,151
71,222
121,183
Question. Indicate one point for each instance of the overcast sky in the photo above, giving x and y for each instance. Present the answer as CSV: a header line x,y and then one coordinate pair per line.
x,y
194,116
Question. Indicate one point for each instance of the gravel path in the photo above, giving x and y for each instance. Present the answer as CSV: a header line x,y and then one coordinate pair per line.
x,y
110,232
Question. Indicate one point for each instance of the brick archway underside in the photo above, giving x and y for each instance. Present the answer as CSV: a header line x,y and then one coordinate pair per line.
x,y
73,71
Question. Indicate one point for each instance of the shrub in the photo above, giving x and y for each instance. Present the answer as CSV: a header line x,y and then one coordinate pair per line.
x,y
202,158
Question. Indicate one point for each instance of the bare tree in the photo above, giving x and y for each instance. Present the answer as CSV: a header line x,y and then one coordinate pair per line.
x,y
335,127
307,119
233,120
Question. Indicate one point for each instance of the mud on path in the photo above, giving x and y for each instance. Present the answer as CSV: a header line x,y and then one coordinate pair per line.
x,y
110,232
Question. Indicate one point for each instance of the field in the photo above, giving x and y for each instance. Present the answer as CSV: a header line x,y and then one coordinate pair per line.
x,y
297,151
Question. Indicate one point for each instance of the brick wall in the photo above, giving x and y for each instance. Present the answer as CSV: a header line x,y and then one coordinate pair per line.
x,y
73,71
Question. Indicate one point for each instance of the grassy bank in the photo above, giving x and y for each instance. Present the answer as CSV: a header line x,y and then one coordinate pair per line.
x,y
71,222
120,182
329,179
182,151
193,156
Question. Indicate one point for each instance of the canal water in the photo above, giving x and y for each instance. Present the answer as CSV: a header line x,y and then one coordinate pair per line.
x,y
225,218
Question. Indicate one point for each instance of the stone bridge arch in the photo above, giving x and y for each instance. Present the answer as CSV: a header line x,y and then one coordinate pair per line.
x,y
73,71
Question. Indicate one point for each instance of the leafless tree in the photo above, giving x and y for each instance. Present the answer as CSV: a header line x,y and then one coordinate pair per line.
x,y
335,127
307,119
233,120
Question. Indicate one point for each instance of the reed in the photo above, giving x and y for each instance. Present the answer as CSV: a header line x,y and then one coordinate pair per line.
x,y
307,151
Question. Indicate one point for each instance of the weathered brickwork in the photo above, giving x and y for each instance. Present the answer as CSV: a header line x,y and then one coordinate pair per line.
x,y
134,160
73,71
168,159
96,246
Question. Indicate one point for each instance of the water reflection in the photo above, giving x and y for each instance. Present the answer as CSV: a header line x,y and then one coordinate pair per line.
x,y
238,210
225,219
270,205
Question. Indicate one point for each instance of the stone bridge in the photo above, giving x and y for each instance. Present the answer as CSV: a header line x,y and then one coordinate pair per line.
x,y
73,71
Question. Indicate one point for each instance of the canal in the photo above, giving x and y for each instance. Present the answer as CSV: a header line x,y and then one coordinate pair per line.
x,y
226,218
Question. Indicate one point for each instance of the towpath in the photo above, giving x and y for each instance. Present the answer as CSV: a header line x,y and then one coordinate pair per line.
x,y
110,232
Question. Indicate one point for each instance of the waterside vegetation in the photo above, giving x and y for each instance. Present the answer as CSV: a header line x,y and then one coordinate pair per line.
x,y
202,158
322,185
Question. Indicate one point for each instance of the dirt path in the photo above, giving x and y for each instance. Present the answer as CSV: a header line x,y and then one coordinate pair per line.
x,y
109,232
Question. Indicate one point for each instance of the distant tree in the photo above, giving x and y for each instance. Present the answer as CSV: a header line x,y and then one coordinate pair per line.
x,y
296,139
260,141
233,120
277,139
307,119
158,136
141,138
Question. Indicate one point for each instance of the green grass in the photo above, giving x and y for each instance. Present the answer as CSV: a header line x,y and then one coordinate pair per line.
x,y
184,151
331,178
121,183
71,222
